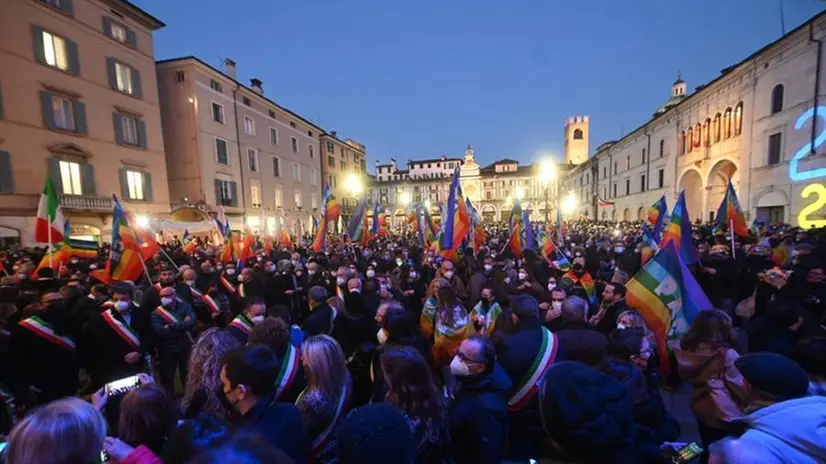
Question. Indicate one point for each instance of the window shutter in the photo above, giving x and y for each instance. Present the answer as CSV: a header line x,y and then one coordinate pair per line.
x,y
218,192
74,58
6,179
110,71
107,26
80,117
54,173
131,38
46,108
233,188
67,6
136,84
147,187
117,123
88,179
37,43
142,134
1,101
124,184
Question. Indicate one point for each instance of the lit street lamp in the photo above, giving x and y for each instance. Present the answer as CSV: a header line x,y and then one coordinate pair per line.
x,y
404,198
569,203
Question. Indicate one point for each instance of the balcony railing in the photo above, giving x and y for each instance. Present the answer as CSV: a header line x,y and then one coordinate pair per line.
x,y
87,203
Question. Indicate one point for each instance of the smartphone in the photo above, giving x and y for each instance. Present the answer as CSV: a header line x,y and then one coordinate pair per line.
x,y
104,457
3,447
122,386
687,453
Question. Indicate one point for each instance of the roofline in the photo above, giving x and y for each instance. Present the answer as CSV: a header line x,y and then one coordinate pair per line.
x,y
137,13
324,133
240,85
731,69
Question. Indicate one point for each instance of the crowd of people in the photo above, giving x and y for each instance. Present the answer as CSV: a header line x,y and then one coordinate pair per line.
x,y
390,353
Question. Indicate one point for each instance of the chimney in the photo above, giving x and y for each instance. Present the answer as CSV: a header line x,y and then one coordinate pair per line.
x,y
334,134
229,67
257,85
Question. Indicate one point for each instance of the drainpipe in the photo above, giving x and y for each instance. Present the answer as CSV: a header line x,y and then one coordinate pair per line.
x,y
648,161
238,144
751,145
817,84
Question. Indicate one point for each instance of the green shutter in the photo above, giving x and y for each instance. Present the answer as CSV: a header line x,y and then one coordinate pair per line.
x,y
137,92
131,38
141,133
233,188
37,43
218,199
1,101
147,187
80,117
67,6
74,58
46,109
117,123
54,173
6,179
87,178
110,72
124,184
107,26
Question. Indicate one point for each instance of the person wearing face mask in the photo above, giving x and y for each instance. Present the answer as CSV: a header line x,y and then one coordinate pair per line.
x,y
485,314
248,380
414,288
447,271
527,284
482,278
115,342
479,412
151,296
320,320
254,312
173,325
342,276
47,363
553,310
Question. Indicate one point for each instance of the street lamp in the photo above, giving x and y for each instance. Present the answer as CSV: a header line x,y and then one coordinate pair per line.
x,y
404,198
354,184
142,221
547,174
427,205
569,203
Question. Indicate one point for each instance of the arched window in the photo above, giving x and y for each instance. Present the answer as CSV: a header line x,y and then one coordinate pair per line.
x,y
777,98
662,147
681,143
577,134
698,135
707,132
689,137
738,119
727,123
717,122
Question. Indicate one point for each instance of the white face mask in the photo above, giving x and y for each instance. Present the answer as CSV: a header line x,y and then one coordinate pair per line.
x,y
619,249
341,280
310,272
399,262
458,368
231,271
488,267
449,274
191,283
371,273
381,336
551,287
122,306
413,275
621,326
166,301
523,276
355,290
507,280
556,305
257,319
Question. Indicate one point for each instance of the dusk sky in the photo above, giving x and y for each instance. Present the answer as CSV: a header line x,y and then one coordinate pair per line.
x,y
421,79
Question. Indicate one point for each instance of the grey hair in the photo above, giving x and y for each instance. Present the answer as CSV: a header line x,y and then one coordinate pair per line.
x,y
318,294
575,307
65,431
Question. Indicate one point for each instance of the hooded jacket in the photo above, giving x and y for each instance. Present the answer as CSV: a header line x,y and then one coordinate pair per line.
x,y
792,431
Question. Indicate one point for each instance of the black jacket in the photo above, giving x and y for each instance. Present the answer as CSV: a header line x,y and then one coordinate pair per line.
x,y
280,424
479,417
352,330
172,338
608,323
103,350
320,321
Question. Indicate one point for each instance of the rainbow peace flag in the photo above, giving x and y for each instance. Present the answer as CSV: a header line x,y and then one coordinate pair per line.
x,y
730,213
125,260
649,245
456,220
667,296
446,339
54,257
190,244
678,232
320,235
83,249
330,206
145,239
586,281
656,215
355,228
515,242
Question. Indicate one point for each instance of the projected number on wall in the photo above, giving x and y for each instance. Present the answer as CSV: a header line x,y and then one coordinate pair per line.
x,y
815,190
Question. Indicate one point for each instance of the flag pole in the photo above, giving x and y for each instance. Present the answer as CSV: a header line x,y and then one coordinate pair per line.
x,y
731,232
49,231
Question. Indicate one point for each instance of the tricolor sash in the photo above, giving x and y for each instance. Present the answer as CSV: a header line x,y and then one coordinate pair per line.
x,y
42,329
339,292
242,292
123,330
158,286
208,301
289,371
166,315
242,323
108,304
322,438
528,387
227,285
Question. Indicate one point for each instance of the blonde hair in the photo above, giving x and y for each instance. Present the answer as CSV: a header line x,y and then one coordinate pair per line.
x,y
325,366
435,285
205,363
68,431
650,340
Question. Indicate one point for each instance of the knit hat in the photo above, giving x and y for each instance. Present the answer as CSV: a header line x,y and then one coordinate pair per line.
x,y
774,374
375,433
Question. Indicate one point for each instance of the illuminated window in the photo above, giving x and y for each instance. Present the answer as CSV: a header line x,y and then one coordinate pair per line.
x,y
738,119
718,118
70,178
298,198
54,49
117,32
278,201
689,139
255,194
707,133
698,136
63,113
727,123
123,76
134,183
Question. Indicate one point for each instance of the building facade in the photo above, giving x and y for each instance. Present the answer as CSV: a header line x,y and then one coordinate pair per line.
x,y
759,125
79,104
344,169
229,145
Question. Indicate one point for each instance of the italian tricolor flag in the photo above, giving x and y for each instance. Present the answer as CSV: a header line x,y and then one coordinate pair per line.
x,y
49,215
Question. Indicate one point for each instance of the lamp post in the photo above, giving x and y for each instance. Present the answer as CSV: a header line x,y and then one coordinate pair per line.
x,y
354,186
569,204
547,174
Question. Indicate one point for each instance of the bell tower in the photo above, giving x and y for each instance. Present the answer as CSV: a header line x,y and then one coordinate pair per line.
x,y
577,132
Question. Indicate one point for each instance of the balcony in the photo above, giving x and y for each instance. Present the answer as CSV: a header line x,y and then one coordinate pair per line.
x,y
87,203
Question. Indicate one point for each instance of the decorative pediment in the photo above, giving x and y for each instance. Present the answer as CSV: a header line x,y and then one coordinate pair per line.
x,y
69,149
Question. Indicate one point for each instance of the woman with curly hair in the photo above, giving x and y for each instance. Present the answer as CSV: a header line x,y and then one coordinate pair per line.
x,y
410,387
204,377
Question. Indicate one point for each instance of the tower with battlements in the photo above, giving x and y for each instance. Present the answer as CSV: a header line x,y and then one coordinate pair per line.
x,y
577,131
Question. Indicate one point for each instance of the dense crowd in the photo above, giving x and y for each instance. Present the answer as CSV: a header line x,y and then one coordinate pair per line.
x,y
389,353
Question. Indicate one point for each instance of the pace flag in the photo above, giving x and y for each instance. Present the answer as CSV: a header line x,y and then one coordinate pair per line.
x,y
730,214
125,261
656,215
679,233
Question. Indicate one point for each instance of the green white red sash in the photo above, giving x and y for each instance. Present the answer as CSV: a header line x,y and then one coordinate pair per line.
x,y
242,292
340,292
227,285
528,387
322,438
42,329
108,304
158,287
208,301
123,330
242,323
166,315
289,371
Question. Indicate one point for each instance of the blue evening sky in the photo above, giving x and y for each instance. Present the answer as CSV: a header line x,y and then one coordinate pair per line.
x,y
424,78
